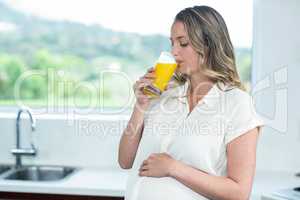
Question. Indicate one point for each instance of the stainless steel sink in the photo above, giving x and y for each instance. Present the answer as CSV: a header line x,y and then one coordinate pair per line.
x,y
40,173
4,168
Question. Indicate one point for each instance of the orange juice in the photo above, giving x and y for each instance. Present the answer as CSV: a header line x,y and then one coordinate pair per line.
x,y
163,73
164,70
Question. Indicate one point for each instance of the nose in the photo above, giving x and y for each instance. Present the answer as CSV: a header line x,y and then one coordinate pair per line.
x,y
174,51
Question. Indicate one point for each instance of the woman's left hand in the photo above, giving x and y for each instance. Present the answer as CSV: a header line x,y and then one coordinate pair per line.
x,y
157,165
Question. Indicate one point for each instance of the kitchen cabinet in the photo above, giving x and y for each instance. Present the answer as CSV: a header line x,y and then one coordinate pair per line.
x,y
36,196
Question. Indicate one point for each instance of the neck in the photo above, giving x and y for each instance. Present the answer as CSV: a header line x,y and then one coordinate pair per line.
x,y
199,85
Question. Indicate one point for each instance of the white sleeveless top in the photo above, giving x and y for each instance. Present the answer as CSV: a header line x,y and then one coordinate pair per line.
x,y
198,138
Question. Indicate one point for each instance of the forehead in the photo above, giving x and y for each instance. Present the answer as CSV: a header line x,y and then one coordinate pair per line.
x,y
178,30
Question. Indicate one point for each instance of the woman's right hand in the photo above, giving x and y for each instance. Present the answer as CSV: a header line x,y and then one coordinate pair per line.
x,y
142,100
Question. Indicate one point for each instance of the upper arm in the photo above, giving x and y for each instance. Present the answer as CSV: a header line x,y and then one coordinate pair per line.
x,y
241,159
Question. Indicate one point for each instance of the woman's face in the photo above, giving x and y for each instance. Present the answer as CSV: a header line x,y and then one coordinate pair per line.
x,y
186,57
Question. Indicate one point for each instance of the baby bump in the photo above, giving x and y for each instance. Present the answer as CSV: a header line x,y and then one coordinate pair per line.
x,y
151,188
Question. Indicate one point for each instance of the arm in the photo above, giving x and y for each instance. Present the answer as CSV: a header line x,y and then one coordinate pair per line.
x,y
241,159
132,134
131,138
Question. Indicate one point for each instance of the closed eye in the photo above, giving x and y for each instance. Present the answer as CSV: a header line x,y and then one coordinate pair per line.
x,y
184,44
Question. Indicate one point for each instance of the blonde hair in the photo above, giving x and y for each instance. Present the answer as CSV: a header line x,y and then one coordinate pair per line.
x,y
209,36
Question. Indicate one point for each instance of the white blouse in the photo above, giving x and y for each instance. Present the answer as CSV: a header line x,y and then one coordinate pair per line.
x,y
198,138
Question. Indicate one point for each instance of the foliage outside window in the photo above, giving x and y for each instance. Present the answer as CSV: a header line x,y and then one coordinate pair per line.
x,y
57,63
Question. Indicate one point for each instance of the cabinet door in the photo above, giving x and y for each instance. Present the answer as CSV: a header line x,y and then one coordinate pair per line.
x,y
32,196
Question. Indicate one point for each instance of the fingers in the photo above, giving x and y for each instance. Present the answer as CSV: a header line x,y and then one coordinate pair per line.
x,y
144,173
145,162
150,75
145,80
140,84
144,167
151,69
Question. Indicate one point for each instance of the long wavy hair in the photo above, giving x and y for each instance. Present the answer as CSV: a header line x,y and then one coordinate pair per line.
x,y
208,34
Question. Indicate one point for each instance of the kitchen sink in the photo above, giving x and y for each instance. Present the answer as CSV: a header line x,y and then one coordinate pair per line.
x,y
40,173
4,168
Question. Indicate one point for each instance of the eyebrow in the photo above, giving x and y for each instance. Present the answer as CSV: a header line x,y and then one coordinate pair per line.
x,y
179,37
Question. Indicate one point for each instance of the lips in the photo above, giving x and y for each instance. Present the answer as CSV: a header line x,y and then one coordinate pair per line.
x,y
179,62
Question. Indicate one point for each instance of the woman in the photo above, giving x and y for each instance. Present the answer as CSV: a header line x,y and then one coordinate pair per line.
x,y
198,140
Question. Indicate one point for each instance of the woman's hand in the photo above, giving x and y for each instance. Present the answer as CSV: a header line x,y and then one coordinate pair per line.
x,y
142,99
157,165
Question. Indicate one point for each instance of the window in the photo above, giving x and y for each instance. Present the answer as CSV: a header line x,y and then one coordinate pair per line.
x,y
89,53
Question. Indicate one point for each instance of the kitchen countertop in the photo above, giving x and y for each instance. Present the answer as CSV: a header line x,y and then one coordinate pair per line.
x,y
86,181
112,182
270,184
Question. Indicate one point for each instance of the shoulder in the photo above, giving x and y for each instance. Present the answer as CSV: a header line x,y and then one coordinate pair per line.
x,y
241,115
237,102
236,96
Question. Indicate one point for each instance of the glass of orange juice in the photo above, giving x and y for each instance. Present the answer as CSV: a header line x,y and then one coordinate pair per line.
x,y
164,70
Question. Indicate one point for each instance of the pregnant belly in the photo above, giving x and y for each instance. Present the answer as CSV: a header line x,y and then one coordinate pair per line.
x,y
164,188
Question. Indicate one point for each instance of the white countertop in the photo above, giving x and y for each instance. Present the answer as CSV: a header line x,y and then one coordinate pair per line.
x,y
112,182
269,184
86,181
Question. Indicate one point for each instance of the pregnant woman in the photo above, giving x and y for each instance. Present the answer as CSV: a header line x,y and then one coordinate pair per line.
x,y
197,140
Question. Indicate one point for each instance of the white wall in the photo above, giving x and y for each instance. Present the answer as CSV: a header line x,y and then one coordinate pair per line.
x,y
83,141
276,79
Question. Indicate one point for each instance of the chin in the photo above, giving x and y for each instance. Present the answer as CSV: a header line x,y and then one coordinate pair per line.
x,y
185,71
181,69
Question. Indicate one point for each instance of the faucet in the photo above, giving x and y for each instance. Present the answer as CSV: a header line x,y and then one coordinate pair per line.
x,y
18,151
